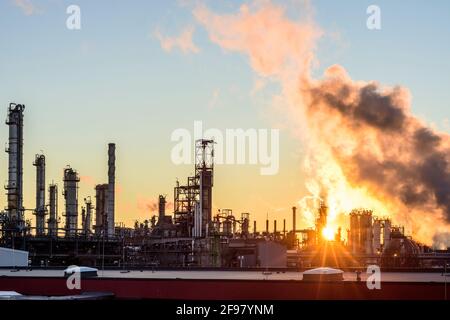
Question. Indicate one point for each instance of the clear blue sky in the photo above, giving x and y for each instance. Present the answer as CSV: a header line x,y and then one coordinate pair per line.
x,y
111,81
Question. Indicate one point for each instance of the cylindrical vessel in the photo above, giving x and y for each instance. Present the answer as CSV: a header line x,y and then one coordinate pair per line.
x,y
111,186
53,210
40,211
71,180
15,165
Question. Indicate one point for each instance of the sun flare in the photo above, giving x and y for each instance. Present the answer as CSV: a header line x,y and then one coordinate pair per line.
x,y
328,233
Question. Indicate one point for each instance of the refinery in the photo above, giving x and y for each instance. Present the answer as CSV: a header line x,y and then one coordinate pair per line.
x,y
70,231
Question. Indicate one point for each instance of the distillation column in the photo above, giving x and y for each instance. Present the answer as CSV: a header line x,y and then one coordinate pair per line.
x,y
40,211
111,186
53,210
15,165
88,221
101,191
71,180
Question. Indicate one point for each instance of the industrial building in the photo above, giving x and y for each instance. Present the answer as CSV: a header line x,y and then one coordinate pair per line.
x,y
88,233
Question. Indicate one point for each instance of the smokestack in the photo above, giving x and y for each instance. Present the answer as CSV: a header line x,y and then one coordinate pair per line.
x,y
40,211
284,227
254,227
267,226
53,203
88,217
71,180
161,208
274,226
111,186
294,217
83,220
15,165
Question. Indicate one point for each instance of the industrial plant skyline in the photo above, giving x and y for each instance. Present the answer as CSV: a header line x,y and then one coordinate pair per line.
x,y
135,73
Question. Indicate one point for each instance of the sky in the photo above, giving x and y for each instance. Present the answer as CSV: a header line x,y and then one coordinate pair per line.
x,y
138,70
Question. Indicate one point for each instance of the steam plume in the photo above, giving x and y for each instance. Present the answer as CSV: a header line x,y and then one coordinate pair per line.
x,y
364,146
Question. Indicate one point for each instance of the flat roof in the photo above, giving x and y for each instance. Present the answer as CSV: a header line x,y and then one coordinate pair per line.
x,y
229,275
13,250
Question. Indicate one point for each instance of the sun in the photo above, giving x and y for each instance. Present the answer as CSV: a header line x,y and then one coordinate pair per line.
x,y
328,233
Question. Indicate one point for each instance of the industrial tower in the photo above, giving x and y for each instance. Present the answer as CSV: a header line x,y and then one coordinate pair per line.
x,y
14,187
40,210
193,202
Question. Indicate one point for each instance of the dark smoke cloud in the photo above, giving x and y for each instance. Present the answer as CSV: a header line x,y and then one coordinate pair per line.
x,y
403,158
371,107
360,136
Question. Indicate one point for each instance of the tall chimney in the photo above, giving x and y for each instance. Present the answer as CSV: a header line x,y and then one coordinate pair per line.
x,y
40,211
88,218
161,208
294,217
284,227
267,226
111,185
254,227
15,165
274,226
53,212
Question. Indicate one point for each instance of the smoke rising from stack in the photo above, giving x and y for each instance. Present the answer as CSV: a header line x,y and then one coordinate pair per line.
x,y
364,147
382,146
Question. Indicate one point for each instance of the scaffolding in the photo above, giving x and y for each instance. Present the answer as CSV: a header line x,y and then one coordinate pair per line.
x,y
193,201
